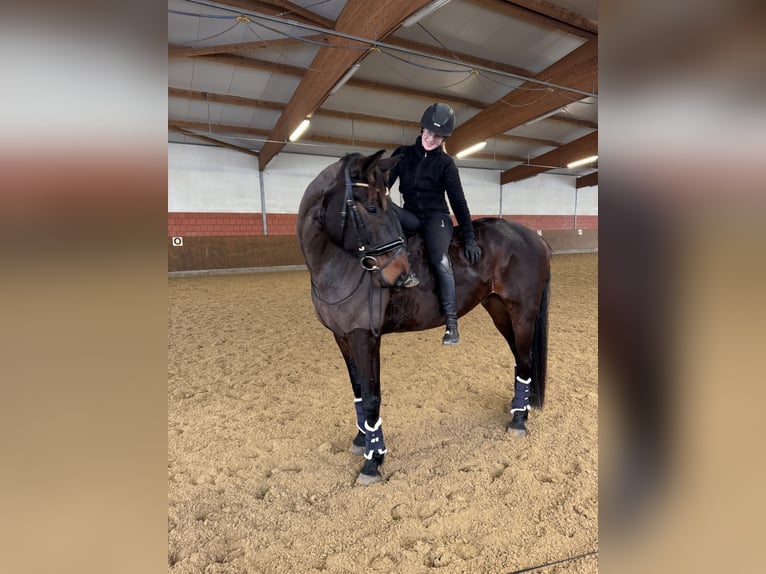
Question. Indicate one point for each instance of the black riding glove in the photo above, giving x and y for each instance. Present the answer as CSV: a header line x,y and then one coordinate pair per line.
x,y
472,251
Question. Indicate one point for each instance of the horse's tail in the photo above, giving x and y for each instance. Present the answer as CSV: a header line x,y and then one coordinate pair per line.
x,y
540,348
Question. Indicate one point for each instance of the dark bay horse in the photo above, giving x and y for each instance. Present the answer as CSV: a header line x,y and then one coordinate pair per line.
x,y
357,257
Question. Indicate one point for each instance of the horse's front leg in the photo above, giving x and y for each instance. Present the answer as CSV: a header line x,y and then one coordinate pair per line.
x,y
363,361
357,446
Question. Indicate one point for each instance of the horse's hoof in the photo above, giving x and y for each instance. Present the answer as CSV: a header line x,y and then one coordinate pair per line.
x,y
517,426
368,479
357,450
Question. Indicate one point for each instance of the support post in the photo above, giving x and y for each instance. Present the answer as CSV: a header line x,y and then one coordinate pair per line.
x,y
263,202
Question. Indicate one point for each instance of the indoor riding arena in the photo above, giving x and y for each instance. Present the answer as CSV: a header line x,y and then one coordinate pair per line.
x,y
261,412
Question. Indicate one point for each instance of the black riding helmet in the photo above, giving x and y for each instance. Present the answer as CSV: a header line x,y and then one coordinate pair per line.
x,y
439,119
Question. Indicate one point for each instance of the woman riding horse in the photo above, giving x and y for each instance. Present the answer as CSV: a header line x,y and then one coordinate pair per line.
x,y
425,171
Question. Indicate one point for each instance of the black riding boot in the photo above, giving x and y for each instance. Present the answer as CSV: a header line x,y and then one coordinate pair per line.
x,y
447,295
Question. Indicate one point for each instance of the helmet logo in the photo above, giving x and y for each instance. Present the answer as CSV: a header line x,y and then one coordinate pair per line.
x,y
437,125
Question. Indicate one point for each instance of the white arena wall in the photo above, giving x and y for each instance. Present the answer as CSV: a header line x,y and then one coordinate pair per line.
x,y
206,179
231,215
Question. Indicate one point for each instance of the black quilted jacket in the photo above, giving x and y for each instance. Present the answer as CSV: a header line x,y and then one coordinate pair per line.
x,y
423,179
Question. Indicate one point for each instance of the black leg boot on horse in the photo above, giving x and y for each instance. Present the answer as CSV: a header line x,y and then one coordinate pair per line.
x,y
447,296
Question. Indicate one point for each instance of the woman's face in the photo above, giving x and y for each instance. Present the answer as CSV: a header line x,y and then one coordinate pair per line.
x,y
430,140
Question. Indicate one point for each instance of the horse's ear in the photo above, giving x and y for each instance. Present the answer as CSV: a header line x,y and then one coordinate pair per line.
x,y
386,165
389,163
369,162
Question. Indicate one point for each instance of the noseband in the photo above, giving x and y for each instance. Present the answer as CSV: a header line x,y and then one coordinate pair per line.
x,y
366,251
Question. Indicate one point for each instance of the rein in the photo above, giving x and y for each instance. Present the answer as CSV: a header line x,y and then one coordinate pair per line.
x,y
366,251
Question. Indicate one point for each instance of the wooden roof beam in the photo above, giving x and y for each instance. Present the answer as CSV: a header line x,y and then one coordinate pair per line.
x,y
179,51
350,142
541,14
283,9
559,13
254,64
574,121
279,106
223,129
467,59
555,159
414,92
528,141
216,142
298,72
361,18
587,180
224,99
577,70
177,125
496,157
352,116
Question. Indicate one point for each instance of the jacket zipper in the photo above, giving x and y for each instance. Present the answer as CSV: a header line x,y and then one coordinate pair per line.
x,y
417,174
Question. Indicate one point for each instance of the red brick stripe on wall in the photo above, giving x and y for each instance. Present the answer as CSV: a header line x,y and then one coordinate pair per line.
x,y
251,224
564,222
209,224
559,222
282,223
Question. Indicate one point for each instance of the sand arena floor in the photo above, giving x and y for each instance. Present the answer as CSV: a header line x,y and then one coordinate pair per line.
x,y
261,417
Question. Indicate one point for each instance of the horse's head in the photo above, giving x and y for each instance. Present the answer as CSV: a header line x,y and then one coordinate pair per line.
x,y
359,219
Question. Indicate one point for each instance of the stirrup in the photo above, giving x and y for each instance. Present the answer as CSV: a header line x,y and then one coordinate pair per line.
x,y
451,336
411,281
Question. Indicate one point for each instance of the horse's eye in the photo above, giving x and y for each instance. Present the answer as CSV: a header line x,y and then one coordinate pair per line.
x,y
373,209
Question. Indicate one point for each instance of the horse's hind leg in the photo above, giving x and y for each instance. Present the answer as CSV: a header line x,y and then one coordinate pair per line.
x,y
523,383
518,329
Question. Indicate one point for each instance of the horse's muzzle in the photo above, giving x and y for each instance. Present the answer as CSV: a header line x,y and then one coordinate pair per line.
x,y
380,260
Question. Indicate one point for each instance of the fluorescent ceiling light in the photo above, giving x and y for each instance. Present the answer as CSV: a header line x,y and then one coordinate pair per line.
x,y
346,77
469,150
544,116
423,12
299,130
582,161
